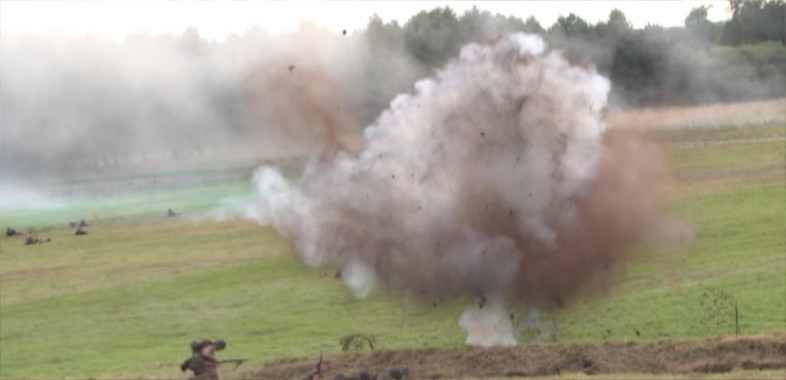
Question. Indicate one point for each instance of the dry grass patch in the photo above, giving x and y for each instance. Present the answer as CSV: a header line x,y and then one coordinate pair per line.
x,y
714,115
705,357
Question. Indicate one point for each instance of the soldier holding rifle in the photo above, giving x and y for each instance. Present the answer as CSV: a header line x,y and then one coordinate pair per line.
x,y
203,361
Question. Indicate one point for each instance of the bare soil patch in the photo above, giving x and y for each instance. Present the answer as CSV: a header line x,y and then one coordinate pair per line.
x,y
670,356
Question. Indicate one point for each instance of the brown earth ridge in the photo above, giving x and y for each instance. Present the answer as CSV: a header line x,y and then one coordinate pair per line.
x,y
668,356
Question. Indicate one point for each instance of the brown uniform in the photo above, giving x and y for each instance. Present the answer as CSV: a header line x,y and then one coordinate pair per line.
x,y
204,364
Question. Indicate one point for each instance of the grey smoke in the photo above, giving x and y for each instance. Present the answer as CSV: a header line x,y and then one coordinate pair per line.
x,y
77,104
495,180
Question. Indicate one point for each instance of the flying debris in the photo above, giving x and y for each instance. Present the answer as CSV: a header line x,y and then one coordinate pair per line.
x,y
536,211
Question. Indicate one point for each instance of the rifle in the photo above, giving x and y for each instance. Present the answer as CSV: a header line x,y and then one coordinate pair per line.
x,y
319,365
315,372
238,361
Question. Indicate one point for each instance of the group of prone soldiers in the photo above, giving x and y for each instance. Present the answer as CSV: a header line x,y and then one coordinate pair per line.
x,y
29,238
79,225
203,361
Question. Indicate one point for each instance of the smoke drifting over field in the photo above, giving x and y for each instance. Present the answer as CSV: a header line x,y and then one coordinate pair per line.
x,y
73,104
496,180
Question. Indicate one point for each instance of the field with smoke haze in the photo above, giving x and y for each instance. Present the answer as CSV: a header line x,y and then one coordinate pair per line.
x,y
133,292
499,200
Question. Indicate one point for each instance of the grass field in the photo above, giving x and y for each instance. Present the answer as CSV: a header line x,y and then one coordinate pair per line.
x,y
125,300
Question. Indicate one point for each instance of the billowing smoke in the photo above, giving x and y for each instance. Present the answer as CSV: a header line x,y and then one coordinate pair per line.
x,y
86,105
496,181
487,324
307,90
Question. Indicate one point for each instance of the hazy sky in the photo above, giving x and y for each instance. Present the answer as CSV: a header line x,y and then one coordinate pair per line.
x,y
218,19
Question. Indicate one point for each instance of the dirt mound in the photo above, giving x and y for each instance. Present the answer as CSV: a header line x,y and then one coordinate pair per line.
x,y
714,355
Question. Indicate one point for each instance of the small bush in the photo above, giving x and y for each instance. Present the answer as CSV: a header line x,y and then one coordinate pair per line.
x,y
357,342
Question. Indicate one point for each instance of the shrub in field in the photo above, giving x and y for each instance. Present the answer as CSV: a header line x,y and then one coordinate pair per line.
x,y
719,307
357,342
533,325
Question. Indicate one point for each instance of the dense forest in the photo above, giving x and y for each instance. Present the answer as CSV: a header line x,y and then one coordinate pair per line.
x,y
77,102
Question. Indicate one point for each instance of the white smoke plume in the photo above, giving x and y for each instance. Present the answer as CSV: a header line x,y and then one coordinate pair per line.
x,y
495,180
488,324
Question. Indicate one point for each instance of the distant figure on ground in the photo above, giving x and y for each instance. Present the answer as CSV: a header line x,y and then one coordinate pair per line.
x,y
80,231
398,374
203,361
12,232
32,239
362,375
170,213
80,223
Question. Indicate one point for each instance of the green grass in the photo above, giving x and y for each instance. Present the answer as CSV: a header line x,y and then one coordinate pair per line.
x,y
739,248
138,317
125,300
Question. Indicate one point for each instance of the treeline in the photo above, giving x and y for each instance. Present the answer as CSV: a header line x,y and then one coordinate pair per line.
x,y
701,62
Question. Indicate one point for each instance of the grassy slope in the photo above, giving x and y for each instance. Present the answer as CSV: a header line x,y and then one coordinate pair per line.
x,y
140,315
127,298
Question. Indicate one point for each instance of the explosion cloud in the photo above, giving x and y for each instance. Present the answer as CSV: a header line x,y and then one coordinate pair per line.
x,y
497,180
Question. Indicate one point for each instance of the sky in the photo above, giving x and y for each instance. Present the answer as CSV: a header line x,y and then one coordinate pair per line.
x,y
218,19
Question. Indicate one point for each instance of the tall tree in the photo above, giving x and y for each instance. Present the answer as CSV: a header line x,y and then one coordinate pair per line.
x,y
698,28
571,26
755,21
618,23
431,36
